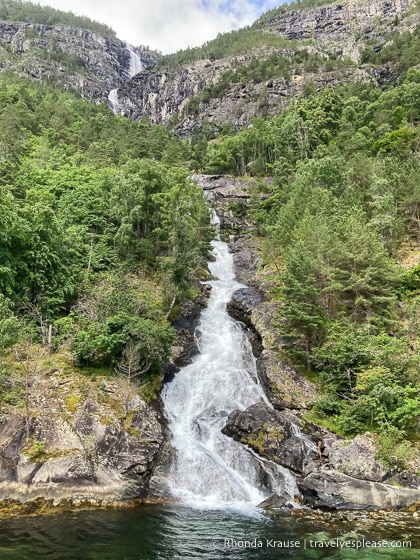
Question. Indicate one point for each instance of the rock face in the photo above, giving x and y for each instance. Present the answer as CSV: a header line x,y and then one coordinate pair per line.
x,y
349,479
275,435
72,58
339,31
340,23
77,448
333,490
358,459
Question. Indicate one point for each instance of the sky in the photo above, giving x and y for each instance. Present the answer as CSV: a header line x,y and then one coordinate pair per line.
x,y
167,25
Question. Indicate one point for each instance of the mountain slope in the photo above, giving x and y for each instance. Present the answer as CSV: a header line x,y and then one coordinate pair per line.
x,y
258,70
70,52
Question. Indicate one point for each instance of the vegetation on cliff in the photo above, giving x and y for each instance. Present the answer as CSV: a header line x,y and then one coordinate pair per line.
x,y
18,10
341,217
101,231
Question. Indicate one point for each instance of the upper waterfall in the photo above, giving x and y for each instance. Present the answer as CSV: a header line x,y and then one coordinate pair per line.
x,y
211,469
136,64
134,68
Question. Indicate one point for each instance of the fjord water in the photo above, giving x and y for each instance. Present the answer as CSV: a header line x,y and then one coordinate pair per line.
x,y
180,533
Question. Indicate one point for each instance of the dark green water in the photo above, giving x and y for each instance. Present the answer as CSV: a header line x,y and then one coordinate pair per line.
x,y
157,533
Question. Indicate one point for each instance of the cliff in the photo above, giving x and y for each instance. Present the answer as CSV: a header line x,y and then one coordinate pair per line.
x,y
71,58
83,441
282,56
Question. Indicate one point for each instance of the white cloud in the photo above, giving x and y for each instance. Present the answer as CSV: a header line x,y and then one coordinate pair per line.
x,y
167,25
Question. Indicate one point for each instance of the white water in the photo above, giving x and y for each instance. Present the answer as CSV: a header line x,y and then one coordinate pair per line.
x,y
211,469
136,64
135,67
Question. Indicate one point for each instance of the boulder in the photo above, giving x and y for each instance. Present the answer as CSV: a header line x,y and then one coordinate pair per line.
x,y
334,490
274,435
273,502
358,459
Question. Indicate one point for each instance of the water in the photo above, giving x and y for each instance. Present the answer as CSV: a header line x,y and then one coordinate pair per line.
x,y
136,64
216,476
178,533
135,67
210,469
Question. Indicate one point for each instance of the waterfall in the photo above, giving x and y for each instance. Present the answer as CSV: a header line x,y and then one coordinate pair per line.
x,y
136,64
209,468
135,67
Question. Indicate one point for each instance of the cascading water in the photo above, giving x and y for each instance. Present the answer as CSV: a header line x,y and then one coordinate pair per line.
x,y
135,67
136,64
209,468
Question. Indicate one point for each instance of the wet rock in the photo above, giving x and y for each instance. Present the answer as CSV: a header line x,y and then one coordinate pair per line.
x,y
273,502
186,327
274,435
243,303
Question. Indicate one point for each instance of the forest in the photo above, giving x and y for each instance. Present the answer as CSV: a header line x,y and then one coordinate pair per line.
x,y
101,232
18,10
103,235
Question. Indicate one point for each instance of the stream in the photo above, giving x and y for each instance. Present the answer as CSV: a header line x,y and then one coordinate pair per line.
x,y
210,469
216,482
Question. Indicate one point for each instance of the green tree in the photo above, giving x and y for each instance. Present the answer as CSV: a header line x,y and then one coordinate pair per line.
x,y
304,318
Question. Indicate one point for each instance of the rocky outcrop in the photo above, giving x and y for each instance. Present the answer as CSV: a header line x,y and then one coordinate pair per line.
x,y
357,459
72,58
348,477
276,436
98,447
334,490
335,32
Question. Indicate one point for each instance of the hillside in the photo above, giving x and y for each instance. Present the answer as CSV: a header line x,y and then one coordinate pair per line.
x,y
70,52
309,152
288,53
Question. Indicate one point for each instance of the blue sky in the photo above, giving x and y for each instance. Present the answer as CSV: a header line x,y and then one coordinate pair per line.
x,y
168,25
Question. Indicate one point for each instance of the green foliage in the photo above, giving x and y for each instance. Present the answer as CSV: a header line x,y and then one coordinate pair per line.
x,y
117,312
18,10
410,282
303,315
101,233
232,43
395,451
35,451
10,326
